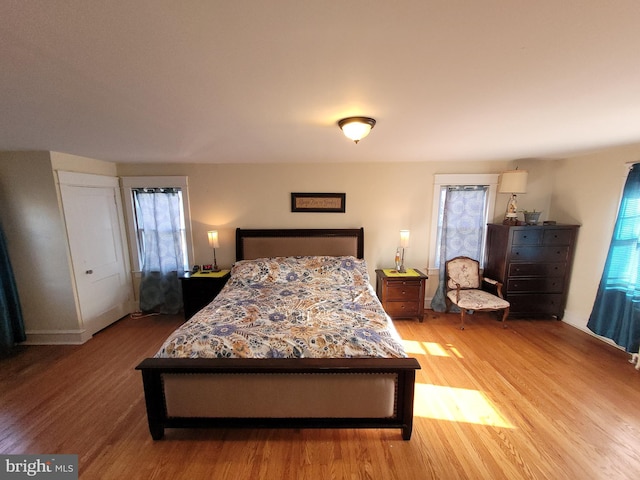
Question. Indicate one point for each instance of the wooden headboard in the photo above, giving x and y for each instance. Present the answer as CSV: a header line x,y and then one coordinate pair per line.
x,y
263,243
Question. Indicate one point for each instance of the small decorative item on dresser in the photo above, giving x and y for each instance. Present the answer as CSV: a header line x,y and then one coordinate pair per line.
x,y
401,294
531,218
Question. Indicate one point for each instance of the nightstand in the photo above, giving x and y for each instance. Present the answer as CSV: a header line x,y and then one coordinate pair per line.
x,y
401,294
198,289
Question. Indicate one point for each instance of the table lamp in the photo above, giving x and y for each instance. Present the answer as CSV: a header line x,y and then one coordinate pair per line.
x,y
513,182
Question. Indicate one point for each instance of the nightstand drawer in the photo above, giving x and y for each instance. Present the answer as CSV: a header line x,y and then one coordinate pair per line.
x,y
399,291
402,309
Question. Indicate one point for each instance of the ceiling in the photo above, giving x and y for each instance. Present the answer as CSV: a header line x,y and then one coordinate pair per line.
x,y
266,81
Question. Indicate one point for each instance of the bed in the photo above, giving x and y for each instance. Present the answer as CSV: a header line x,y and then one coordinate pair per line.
x,y
308,378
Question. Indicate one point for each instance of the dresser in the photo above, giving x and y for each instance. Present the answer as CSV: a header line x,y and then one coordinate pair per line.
x,y
533,262
401,295
198,289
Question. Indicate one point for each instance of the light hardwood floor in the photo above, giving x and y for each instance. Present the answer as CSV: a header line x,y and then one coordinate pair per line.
x,y
539,399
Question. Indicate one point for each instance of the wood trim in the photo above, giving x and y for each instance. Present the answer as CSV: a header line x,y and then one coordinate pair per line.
x,y
154,368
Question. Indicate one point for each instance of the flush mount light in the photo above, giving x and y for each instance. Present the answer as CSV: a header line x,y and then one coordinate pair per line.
x,y
356,128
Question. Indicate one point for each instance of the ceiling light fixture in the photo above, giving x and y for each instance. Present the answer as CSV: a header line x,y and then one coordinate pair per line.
x,y
356,128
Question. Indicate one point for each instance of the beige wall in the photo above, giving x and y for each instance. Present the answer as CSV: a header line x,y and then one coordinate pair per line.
x,y
32,219
586,191
384,198
36,239
76,163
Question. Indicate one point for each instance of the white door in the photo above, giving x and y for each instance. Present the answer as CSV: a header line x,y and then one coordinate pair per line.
x,y
93,216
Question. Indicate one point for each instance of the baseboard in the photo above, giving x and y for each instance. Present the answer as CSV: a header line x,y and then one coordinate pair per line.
x,y
579,322
56,337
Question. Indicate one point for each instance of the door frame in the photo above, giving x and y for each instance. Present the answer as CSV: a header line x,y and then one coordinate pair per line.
x,y
89,180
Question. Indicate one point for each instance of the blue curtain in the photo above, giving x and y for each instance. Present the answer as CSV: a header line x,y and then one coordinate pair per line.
x,y
616,313
158,212
461,231
11,322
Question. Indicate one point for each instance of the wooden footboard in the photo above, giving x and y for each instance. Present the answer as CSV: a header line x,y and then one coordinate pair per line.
x,y
279,393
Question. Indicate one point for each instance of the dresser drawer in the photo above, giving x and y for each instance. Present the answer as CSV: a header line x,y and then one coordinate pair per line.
x,y
557,237
536,304
538,284
537,269
527,236
402,309
399,291
540,254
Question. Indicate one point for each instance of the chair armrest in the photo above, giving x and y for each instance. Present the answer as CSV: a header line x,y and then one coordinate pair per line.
x,y
495,285
457,292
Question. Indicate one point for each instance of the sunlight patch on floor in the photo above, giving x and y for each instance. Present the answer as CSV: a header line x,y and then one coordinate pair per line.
x,y
413,347
456,405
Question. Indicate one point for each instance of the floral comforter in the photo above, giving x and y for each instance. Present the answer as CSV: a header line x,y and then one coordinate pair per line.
x,y
290,307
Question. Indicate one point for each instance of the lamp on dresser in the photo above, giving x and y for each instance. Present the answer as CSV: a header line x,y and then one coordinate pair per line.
x,y
513,182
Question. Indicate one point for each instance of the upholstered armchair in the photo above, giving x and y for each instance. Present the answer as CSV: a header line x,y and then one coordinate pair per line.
x,y
466,289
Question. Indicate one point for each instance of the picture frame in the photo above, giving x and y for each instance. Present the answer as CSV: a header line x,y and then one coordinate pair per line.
x,y
318,202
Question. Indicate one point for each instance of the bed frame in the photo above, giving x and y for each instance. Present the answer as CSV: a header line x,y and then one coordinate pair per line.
x,y
282,393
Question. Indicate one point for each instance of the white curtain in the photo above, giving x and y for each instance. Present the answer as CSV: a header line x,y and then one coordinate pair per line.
x,y
463,216
160,229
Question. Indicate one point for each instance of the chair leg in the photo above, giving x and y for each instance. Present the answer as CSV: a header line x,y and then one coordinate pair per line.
x,y
462,313
504,317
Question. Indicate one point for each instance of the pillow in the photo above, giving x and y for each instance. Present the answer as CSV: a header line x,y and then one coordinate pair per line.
x,y
339,270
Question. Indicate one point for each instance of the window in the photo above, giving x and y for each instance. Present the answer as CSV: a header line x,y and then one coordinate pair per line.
x,y
615,312
170,194
475,195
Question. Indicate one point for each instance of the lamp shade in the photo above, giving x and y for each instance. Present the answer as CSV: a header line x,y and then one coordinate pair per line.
x,y
213,239
356,128
513,181
404,238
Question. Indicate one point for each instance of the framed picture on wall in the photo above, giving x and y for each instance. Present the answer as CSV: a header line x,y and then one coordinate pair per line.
x,y
318,202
